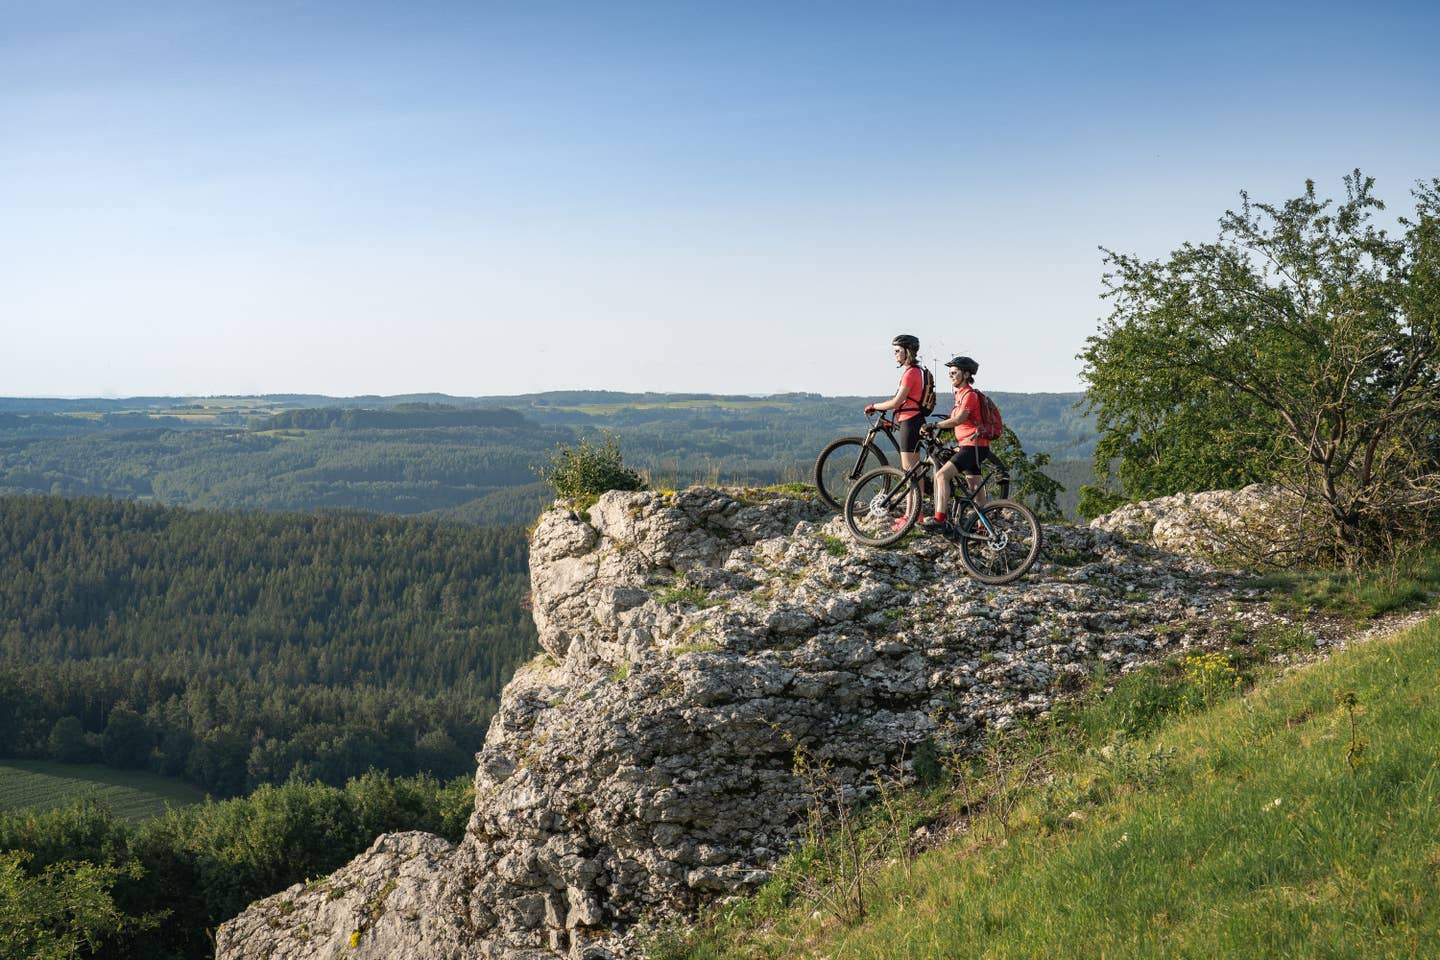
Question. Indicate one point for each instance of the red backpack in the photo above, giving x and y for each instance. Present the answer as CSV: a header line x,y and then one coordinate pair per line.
x,y
990,426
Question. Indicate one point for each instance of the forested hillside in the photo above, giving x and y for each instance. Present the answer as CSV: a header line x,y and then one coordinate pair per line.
x,y
78,881
235,649
469,459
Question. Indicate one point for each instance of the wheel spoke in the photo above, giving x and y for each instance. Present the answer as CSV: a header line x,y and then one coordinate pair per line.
x,y
1004,546
878,507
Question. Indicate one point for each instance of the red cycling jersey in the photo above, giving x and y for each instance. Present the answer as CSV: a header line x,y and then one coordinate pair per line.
x,y
966,433
912,379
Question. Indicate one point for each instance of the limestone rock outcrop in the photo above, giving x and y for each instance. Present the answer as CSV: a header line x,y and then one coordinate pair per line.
x,y
693,643
1253,526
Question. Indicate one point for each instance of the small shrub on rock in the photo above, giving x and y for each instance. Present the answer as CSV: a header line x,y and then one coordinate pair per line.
x,y
588,469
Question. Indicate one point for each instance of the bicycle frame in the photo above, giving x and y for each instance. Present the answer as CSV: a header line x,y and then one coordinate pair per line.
x,y
885,425
997,546
963,501
842,462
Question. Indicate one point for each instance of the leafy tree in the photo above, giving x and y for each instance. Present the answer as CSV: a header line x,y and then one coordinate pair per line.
x,y
1301,348
67,741
62,910
77,876
126,741
1028,481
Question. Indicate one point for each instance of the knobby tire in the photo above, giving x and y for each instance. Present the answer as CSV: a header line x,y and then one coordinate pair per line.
x,y
876,501
840,464
1009,551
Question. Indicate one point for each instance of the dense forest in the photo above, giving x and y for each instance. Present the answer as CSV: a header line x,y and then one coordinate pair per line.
x,y
467,459
236,649
78,881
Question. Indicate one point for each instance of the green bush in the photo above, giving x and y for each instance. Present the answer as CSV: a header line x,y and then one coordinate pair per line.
x,y
77,876
589,468
1140,702
1097,501
64,910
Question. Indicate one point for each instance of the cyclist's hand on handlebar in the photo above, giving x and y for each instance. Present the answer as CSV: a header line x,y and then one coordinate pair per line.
x,y
869,409
927,429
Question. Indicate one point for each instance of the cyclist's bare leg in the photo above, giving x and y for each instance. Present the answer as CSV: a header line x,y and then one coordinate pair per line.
x,y
974,481
942,487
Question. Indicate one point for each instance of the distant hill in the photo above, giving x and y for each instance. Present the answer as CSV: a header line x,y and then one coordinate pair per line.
x,y
468,458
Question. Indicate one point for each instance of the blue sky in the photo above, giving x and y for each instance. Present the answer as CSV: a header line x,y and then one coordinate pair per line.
x,y
487,198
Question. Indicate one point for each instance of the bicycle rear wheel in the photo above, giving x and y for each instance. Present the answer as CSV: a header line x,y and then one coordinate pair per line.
x,y
841,464
881,507
1011,541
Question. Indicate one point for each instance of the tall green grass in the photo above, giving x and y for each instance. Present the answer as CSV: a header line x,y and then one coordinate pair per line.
x,y
1300,820
1409,580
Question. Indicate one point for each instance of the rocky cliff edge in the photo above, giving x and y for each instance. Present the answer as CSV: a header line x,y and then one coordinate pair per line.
x,y
693,642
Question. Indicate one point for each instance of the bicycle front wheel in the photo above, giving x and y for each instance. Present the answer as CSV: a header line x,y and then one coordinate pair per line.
x,y
882,506
841,464
1003,545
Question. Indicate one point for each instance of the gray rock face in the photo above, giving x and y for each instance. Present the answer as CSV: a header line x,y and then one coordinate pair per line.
x,y
693,643
1253,526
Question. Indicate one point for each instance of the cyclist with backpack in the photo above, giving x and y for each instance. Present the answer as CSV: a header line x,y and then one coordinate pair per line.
x,y
917,387
972,425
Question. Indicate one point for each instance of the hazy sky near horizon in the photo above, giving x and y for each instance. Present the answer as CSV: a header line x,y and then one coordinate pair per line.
x,y
358,197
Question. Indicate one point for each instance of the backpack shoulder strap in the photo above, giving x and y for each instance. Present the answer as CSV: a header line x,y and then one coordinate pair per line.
x,y
908,401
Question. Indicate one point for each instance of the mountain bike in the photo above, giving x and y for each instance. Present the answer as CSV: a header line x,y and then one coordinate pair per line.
x,y
998,540
843,461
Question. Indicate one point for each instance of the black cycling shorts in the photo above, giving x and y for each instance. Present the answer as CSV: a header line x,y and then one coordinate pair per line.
x,y
908,434
968,459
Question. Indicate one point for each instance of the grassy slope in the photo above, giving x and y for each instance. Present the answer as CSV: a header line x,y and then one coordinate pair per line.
x,y
134,795
1274,829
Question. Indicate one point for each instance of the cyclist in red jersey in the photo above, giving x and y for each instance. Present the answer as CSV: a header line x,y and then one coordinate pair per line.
x,y
906,402
974,449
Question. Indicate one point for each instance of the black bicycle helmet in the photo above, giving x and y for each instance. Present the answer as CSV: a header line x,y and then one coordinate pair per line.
x,y
966,364
907,341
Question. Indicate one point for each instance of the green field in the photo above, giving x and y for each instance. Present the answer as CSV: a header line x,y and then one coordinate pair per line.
x,y
130,794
